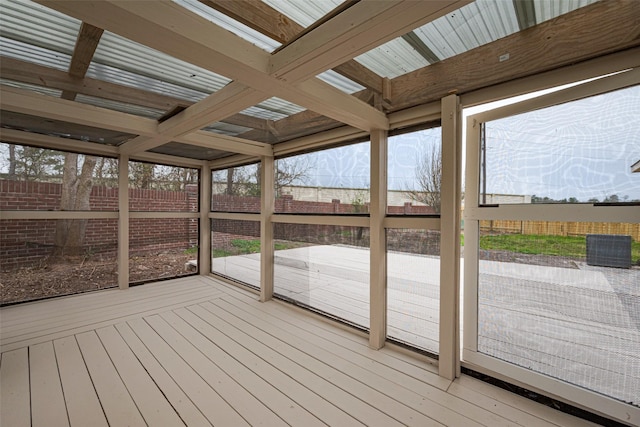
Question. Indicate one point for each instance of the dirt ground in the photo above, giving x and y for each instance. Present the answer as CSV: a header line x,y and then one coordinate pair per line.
x,y
76,275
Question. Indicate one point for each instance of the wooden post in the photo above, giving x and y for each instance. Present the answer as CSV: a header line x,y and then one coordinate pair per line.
x,y
378,250
204,245
267,196
449,360
123,222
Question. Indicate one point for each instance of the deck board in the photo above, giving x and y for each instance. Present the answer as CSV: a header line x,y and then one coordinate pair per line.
x,y
118,405
15,400
199,352
47,401
83,405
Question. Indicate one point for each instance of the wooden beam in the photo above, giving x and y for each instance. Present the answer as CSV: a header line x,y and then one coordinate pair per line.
x,y
525,12
35,104
182,34
27,72
420,47
449,325
588,32
14,136
302,124
233,97
227,143
267,205
358,29
360,74
259,16
268,21
123,222
378,241
86,44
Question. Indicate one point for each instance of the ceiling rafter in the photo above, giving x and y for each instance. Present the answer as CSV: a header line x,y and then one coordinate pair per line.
x,y
233,97
28,72
358,29
301,124
35,104
525,13
182,34
420,47
86,44
268,21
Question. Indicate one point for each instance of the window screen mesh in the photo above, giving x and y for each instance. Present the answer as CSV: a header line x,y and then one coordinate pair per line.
x,y
546,306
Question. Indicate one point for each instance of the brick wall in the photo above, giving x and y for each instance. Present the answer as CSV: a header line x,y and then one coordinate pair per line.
x,y
24,242
28,242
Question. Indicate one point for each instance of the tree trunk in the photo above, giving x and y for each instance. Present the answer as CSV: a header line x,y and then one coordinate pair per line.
x,y
12,162
229,190
76,191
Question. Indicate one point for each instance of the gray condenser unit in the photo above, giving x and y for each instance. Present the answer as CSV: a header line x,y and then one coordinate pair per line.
x,y
609,250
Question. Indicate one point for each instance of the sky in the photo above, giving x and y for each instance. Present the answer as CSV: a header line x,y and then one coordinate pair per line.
x,y
583,149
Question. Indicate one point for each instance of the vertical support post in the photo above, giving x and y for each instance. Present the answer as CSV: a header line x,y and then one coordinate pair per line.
x,y
472,233
123,222
378,250
449,360
267,201
204,253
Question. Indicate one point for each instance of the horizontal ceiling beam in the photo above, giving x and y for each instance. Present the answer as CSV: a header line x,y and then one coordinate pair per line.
x,y
35,104
358,29
273,24
28,72
176,31
588,32
13,136
231,98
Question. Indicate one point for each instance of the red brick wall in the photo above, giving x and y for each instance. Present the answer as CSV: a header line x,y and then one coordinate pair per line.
x,y
25,242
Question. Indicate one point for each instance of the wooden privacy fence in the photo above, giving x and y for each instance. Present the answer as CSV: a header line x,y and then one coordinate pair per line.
x,y
555,228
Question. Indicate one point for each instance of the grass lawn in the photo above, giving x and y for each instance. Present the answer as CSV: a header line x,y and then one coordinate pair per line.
x,y
569,246
243,247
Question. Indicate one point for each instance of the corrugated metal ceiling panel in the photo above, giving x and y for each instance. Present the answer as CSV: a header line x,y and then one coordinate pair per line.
x,y
273,109
125,54
38,25
38,55
336,80
304,12
471,26
549,9
392,59
126,78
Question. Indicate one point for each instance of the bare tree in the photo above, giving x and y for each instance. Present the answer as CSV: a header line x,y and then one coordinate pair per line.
x,y
141,175
12,162
428,179
291,171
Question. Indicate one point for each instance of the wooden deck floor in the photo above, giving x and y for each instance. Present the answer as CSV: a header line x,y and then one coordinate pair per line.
x,y
197,352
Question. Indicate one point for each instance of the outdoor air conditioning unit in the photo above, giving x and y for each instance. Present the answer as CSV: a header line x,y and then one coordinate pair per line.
x,y
608,250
